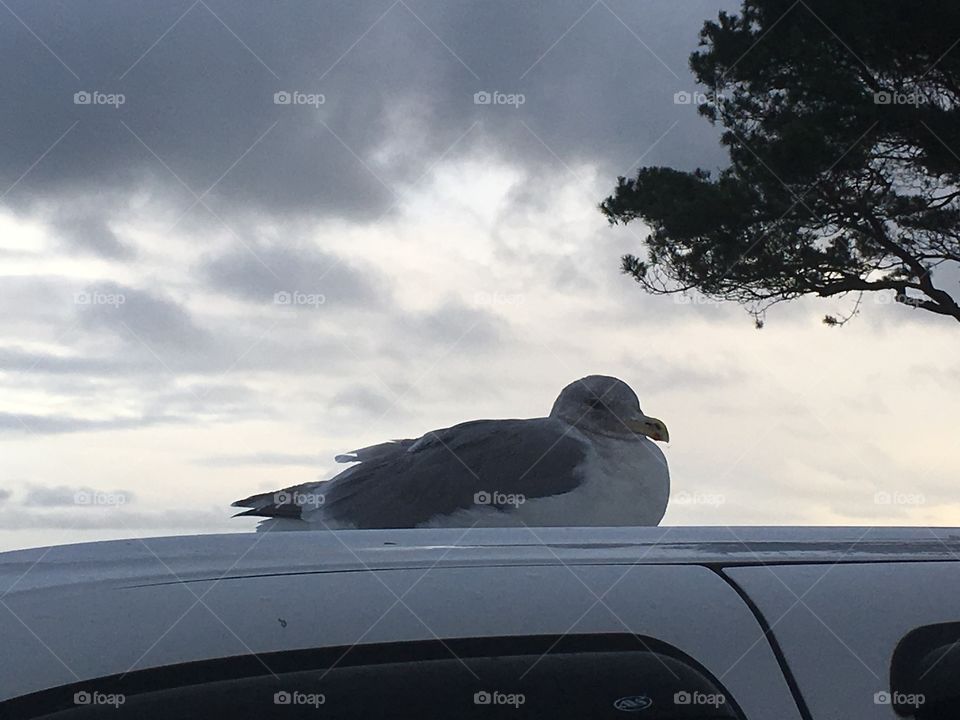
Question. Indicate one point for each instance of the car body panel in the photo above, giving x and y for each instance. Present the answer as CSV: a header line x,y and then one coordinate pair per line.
x,y
81,612
120,617
838,624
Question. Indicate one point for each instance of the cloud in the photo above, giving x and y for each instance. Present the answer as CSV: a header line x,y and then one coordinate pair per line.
x,y
199,123
40,300
271,274
192,399
14,359
148,317
69,496
453,325
55,425
108,518
676,375
82,507
365,400
87,230
265,459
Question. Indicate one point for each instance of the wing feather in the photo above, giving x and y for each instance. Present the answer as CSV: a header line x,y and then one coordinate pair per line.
x,y
407,482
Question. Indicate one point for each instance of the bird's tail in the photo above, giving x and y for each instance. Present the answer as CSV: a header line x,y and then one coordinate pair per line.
x,y
279,504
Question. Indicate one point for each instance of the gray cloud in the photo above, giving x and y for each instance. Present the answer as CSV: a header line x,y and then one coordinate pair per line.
x,y
675,375
14,359
40,300
113,330
202,398
199,117
66,495
259,274
85,229
455,326
114,518
85,508
365,399
55,425
149,317
266,459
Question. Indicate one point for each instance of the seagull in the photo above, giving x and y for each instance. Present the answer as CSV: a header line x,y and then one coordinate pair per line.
x,y
590,462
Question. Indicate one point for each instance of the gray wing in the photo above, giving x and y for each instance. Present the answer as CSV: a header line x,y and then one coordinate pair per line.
x,y
406,483
284,503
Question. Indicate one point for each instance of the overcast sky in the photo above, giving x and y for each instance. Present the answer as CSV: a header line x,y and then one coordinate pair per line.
x,y
237,239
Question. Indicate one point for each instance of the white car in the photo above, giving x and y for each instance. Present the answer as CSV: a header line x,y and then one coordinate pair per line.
x,y
668,622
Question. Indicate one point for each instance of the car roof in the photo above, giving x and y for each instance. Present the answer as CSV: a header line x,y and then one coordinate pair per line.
x,y
145,561
155,603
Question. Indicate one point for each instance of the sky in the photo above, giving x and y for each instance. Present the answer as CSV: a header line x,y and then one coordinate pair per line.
x,y
237,239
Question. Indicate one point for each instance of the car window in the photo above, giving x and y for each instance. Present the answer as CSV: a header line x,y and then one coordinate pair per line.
x,y
533,677
924,673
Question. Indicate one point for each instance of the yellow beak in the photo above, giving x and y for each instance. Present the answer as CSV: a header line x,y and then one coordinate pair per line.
x,y
651,427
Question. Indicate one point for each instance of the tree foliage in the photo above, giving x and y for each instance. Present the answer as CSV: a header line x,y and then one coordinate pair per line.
x,y
842,127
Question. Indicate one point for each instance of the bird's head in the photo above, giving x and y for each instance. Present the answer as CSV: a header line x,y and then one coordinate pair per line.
x,y
606,405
